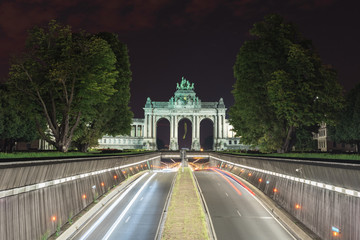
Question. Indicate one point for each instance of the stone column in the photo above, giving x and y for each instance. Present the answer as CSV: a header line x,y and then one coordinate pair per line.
x,y
198,127
215,132
221,125
176,128
154,127
171,128
193,126
215,127
145,126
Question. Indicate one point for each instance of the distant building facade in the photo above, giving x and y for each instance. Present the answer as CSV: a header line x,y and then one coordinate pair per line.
x,y
183,105
325,144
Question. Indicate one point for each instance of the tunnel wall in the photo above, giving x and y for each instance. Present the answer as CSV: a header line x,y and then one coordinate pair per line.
x,y
319,208
28,215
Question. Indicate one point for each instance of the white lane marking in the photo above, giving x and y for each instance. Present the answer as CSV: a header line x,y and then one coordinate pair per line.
x,y
127,219
126,209
141,198
96,224
226,194
238,213
262,217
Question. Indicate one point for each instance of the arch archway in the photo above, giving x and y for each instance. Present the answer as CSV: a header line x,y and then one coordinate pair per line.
x,y
162,134
184,133
206,134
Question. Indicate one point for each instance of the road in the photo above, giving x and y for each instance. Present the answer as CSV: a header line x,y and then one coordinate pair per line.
x,y
135,214
235,212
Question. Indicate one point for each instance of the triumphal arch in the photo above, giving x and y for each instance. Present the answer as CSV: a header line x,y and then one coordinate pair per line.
x,y
185,105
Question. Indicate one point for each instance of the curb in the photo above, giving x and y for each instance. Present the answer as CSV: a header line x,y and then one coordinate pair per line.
x,y
164,212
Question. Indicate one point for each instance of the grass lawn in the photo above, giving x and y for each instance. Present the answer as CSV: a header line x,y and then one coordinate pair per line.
x,y
60,154
185,218
305,155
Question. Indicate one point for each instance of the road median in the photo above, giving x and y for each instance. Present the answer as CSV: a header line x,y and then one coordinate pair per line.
x,y
185,218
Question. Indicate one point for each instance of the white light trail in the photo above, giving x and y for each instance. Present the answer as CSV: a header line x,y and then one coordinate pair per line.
x,y
97,223
126,209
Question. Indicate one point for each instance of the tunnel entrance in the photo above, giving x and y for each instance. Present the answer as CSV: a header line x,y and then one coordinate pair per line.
x,y
163,134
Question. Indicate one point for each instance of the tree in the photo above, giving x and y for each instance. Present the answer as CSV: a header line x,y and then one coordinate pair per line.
x,y
61,77
281,85
114,116
15,125
348,128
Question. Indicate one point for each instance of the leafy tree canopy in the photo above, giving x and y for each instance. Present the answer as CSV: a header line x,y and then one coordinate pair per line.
x,y
15,124
348,128
114,116
61,76
281,85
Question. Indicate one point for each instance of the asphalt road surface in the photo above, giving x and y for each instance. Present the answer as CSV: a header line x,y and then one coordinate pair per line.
x,y
133,215
235,212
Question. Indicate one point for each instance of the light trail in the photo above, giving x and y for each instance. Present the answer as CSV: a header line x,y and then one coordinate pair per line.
x,y
226,179
97,223
108,234
237,180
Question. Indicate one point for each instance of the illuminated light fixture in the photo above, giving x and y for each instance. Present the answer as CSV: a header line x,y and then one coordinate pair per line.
x,y
249,174
141,165
267,182
145,165
335,231
131,168
137,167
115,177
83,196
275,190
242,170
260,180
297,206
53,218
201,149
102,184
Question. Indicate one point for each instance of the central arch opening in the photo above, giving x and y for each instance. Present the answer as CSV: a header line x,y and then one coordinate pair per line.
x,y
163,134
206,134
184,133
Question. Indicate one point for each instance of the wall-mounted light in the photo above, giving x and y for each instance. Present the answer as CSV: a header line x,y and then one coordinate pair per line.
x,y
335,231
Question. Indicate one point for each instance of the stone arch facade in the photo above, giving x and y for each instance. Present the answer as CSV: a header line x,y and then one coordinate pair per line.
x,y
184,104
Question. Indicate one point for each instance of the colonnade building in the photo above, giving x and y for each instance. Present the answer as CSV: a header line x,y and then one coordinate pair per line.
x,y
187,122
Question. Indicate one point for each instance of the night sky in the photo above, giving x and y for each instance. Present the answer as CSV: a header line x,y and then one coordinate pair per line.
x,y
197,39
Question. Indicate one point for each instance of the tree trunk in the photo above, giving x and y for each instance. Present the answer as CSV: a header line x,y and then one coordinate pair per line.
x,y
288,143
83,147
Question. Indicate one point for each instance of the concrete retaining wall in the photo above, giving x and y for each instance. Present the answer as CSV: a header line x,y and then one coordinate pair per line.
x,y
319,208
29,214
